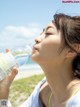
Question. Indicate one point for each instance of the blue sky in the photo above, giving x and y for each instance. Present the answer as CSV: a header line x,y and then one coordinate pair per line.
x,y
22,20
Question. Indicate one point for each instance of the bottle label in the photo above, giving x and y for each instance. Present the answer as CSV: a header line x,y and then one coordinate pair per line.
x,y
7,62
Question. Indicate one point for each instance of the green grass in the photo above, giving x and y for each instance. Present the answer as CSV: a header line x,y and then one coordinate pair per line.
x,y
21,89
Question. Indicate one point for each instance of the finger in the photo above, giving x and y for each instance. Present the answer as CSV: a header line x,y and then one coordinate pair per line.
x,y
12,74
6,82
7,50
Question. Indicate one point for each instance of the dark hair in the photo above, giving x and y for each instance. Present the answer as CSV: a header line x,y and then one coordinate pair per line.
x,y
70,29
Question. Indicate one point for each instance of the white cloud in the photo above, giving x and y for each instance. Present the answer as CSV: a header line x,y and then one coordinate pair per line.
x,y
22,30
12,36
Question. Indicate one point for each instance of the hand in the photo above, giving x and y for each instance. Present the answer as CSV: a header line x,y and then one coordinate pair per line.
x,y
6,83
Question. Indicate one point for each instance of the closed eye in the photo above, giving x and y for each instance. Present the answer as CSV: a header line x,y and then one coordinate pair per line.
x,y
47,34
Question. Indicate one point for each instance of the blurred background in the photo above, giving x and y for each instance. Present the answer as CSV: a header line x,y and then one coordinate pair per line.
x,y
22,20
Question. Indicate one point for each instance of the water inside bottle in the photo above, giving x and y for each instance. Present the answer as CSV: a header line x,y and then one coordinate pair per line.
x,y
22,59
22,55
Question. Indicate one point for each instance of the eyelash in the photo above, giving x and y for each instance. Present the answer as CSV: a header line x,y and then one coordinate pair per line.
x,y
48,33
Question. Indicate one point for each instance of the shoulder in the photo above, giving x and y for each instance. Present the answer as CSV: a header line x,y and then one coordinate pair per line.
x,y
74,101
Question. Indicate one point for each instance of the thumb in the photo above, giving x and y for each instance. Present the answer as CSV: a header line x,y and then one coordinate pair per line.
x,y
7,50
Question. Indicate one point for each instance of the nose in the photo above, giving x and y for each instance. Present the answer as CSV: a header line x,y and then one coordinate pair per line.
x,y
38,39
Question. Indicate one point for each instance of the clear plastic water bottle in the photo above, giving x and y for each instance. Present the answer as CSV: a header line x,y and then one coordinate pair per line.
x,y
17,58
22,55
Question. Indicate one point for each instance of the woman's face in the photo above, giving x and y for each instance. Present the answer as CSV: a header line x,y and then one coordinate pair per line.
x,y
47,45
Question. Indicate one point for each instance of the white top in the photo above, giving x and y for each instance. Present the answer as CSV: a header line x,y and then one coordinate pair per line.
x,y
34,100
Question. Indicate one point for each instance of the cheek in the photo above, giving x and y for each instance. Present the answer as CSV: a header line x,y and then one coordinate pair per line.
x,y
48,53
50,48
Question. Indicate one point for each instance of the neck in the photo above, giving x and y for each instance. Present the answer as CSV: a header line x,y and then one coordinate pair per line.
x,y
59,77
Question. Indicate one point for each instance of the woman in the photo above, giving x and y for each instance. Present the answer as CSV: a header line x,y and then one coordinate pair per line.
x,y
57,51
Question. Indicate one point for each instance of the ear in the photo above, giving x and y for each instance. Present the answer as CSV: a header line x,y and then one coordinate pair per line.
x,y
71,52
77,47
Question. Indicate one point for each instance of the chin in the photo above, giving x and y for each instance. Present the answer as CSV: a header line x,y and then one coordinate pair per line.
x,y
35,58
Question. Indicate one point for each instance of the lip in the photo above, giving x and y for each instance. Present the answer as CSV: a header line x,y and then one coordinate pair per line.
x,y
34,49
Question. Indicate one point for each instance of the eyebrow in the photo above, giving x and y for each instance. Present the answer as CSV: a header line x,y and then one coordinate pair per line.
x,y
49,27
45,29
